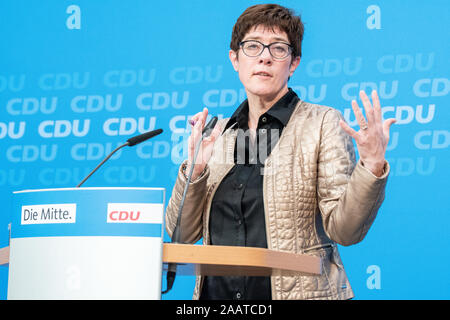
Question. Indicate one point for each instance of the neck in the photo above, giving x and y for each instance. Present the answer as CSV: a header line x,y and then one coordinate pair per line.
x,y
258,105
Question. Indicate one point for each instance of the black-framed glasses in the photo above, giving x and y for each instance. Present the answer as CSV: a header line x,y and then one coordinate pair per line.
x,y
254,48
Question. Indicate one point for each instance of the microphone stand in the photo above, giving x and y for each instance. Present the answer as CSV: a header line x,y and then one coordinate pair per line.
x,y
130,142
101,163
176,236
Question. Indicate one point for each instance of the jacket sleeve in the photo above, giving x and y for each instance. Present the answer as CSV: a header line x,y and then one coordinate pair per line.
x,y
191,217
349,195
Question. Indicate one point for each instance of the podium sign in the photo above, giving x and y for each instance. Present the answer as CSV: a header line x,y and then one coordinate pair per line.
x,y
86,243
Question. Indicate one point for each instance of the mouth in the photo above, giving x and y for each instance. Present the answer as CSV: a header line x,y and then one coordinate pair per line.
x,y
262,74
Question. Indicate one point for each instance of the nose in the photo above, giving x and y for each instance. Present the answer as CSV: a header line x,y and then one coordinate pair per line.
x,y
265,56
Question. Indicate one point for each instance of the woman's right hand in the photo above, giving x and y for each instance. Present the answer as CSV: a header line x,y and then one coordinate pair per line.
x,y
206,146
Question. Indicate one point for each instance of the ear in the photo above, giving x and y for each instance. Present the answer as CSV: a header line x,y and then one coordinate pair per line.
x,y
294,64
234,59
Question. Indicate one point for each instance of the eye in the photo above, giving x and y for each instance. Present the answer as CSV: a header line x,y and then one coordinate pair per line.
x,y
280,48
252,46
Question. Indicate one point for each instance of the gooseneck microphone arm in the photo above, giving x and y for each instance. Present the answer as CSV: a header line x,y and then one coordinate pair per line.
x,y
176,236
101,163
176,232
130,142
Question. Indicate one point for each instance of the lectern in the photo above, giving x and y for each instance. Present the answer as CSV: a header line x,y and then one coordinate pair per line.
x,y
86,243
106,243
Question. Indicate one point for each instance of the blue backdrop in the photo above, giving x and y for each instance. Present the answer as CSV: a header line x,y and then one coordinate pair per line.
x,y
79,77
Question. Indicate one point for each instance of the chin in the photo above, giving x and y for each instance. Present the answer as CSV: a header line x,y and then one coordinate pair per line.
x,y
268,91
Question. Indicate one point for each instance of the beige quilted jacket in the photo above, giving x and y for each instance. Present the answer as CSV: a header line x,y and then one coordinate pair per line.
x,y
314,197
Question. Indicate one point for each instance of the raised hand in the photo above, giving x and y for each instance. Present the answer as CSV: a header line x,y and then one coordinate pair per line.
x,y
206,145
373,137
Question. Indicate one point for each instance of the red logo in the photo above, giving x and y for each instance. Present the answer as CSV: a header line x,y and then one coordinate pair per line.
x,y
134,213
124,215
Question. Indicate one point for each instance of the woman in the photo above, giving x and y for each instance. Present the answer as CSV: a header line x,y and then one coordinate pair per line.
x,y
280,173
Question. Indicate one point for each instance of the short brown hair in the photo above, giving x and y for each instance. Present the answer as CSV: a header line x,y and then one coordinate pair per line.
x,y
270,16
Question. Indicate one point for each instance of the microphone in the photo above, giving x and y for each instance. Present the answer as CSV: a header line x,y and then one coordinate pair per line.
x,y
206,132
142,137
130,142
176,236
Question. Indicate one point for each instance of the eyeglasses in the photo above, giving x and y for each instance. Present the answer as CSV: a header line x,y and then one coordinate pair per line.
x,y
254,48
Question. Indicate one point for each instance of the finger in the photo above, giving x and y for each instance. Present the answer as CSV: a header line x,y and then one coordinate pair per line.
x,y
196,116
204,116
387,125
191,148
197,130
367,107
349,130
376,107
358,114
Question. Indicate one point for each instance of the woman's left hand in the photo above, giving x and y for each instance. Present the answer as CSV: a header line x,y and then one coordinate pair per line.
x,y
373,136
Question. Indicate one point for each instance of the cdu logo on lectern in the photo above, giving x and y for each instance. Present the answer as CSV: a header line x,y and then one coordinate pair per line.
x,y
133,213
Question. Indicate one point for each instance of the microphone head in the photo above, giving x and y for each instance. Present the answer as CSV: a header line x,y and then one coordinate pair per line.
x,y
142,137
209,127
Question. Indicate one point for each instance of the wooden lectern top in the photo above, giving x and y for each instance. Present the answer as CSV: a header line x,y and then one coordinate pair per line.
x,y
227,260
230,260
4,255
